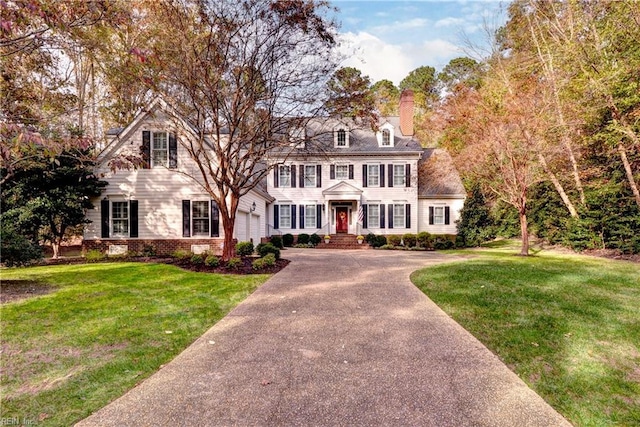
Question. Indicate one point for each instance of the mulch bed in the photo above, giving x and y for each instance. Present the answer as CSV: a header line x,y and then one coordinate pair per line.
x,y
245,268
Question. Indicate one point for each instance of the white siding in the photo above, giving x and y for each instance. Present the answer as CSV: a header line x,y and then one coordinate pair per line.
x,y
455,205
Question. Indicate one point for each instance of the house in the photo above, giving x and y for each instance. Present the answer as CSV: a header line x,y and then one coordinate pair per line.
x,y
336,178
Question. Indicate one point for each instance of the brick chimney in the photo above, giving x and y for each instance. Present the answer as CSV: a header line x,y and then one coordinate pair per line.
x,y
406,112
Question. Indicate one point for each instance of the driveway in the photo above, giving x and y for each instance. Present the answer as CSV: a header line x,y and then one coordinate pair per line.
x,y
338,338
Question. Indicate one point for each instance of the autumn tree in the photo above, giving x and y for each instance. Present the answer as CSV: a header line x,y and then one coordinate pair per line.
x,y
387,97
243,74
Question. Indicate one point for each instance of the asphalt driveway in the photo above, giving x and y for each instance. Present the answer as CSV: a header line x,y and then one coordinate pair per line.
x,y
338,338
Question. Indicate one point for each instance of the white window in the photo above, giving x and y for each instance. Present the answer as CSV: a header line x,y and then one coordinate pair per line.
x,y
373,175
341,137
310,175
373,215
200,218
310,216
398,216
159,150
285,216
398,175
386,137
285,176
438,215
120,218
342,171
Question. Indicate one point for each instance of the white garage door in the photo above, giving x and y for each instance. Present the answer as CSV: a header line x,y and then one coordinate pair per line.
x,y
255,229
241,228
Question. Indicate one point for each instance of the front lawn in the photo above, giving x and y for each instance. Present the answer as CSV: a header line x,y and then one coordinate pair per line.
x,y
568,325
102,329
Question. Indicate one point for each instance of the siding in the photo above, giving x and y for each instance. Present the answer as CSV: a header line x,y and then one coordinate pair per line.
x,y
455,205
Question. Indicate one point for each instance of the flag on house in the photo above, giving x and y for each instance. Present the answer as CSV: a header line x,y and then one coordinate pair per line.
x,y
360,215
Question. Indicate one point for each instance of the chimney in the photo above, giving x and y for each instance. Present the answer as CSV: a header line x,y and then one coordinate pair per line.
x,y
406,112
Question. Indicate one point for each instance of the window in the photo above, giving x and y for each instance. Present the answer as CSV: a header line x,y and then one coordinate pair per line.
x,y
386,137
310,175
398,175
285,176
310,216
120,218
159,150
373,215
285,216
200,218
341,138
373,175
342,171
398,216
438,215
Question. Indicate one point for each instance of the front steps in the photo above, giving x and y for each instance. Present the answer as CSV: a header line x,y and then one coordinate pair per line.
x,y
343,241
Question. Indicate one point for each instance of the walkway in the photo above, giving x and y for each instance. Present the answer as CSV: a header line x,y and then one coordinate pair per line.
x,y
338,338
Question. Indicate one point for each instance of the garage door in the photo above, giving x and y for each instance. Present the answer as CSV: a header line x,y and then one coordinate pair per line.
x,y
240,231
255,229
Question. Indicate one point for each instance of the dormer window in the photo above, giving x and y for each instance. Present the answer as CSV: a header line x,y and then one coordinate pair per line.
x,y
341,137
385,135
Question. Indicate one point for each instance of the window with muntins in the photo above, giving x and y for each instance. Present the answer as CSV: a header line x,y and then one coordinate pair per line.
x,y
120,218
200,218
342,171
159,150
285,216
398,216
341,138
373,215
285,176
398,175
386,137
438,215
310,216
373,175
310,175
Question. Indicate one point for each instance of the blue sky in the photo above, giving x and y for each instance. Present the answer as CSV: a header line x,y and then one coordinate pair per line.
x,y
388,39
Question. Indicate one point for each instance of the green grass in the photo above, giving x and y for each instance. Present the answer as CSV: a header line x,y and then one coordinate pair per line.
x,y
104,329
568,325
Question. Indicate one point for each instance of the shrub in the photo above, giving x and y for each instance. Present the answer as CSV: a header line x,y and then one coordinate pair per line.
x,y
314,239
94,255
375,241
148,250
234,263
409,240
212,261
475,225
244,248
443,242
266,248
424,240
276,241
197,259
287,240
181,254
393,239
387,247
268,260
16,249
303,238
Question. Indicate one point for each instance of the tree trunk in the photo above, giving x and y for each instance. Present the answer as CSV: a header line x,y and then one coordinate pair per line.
x,y
524,232
627,168
228,216
55,245
558,186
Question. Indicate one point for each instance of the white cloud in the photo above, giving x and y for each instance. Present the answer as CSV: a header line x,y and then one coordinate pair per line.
x,y
449,22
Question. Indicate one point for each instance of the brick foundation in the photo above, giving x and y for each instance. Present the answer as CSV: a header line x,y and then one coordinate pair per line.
x,y
161,247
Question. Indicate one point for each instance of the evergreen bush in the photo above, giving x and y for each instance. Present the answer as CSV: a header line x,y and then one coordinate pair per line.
x,y
244,248
303,238
287,240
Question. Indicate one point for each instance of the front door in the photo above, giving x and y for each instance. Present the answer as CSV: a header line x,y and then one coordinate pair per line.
x,y
342,220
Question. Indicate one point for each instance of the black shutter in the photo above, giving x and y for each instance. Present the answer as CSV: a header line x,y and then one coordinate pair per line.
x,y
430,215
104,218
276,217
293,176
186,218
301,176
215,219
364,175
318,216
381,168
276,177
301,217
133,218
173,151
293,216
382,211
332,172
407,175
390,219
447,214
146,149
365,220
390,174
350,171
318,176
407,215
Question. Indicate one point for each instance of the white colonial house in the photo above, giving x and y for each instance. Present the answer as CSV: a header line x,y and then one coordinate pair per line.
x,y
336,179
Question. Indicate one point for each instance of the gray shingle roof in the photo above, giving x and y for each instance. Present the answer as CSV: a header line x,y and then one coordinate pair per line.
x,y
437,176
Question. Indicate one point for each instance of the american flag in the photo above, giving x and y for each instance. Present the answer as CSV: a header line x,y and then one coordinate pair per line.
x,y
360,215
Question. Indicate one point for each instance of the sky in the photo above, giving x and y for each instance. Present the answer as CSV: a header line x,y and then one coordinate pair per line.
x,y
388,39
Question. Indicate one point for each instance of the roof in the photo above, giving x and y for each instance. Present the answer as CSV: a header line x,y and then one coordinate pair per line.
x,y
437,175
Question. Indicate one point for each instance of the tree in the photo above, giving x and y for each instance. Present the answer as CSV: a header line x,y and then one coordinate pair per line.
x,y
422,81
350,95
245,74
474,226
44,199
387,97
461,72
